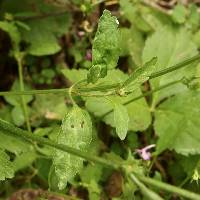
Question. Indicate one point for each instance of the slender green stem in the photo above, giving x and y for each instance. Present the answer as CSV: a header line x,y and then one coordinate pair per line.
x,y
152,163
146,191
27,136
99,88
180,185
169,188
21,82
32,92
175,67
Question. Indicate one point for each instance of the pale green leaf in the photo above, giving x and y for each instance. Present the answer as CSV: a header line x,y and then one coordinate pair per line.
x,y
75,75
50,107
5,113
121,120
18,116
42,42
179,13
170,46
24,160
76,132
194,16
105,49
131,12
6,166
177,123
189,163
13,144
17,100
132,43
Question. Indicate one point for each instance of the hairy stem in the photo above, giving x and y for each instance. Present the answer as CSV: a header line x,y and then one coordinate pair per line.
x,y
146,191
176,66
28,136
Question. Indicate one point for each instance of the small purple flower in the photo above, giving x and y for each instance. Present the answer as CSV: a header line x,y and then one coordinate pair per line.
x,y
81,34
144,154
88,55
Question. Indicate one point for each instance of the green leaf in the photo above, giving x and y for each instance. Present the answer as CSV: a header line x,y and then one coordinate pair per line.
x,y
13,32
177,123
5,113
18,116
53,180
188,163
131,11
96,72
105,49
50,107
91,175
75,75
170,46
179,13
24,160
121,120
132,43
140,75
13,144
16,100
138,111
6,166
42,41
76,132
44,31
194,17
91,172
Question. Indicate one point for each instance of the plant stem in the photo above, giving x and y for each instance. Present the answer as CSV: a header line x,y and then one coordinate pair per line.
x,y
28,136
154,75
32,92
21,82
42,16
169,188
146,191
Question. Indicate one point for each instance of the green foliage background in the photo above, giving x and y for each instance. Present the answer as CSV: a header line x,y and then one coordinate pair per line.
x,y
110,56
